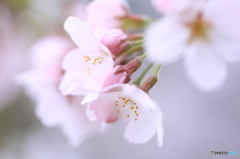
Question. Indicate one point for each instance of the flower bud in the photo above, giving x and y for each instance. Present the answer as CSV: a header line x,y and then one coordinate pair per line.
x,y
149,83
115,40
131,67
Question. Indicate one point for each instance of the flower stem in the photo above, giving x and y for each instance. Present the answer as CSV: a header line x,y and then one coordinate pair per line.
x,y
138,81
157,70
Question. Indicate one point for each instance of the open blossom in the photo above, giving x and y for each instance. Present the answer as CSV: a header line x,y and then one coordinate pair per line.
x,y
127,102
41,82
207,34
87,66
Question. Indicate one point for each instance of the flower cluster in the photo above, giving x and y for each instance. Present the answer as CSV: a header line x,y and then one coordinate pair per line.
x,y
84,84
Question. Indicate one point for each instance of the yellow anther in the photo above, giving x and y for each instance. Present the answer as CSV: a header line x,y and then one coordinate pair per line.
x,y
128,115
116,104
116,101
126,101
123,106
132,107
119,111
135,119
136,107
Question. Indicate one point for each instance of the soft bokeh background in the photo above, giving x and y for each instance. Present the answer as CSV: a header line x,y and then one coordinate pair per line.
x,y
195,122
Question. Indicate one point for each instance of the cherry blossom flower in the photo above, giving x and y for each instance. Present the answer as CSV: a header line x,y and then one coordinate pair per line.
x,y
127,102
204,32
87,66
41,82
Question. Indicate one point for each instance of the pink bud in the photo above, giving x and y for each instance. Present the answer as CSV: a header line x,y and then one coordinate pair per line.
x,y
149,83
131,67
115,40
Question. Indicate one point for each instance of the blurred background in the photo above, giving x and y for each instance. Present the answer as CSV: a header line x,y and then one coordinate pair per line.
x,y
195,123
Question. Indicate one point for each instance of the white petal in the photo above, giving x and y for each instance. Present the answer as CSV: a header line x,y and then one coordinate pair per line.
x,y
82,34
91,96
170,6
140,131
149,120
206,69
224,33
165,40
226,44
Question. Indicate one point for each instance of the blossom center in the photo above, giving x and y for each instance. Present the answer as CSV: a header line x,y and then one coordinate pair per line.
x,y
198,28
127,107
94,60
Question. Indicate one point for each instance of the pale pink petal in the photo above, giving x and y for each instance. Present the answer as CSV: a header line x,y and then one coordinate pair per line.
x,y
225,44
75,59
101,10
90,96
169,7
76,72
70,85
97,77
225,35
76,124
103,15
104,107
204,67
166,40
49,52
35,82
82,34
115,78
67,113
